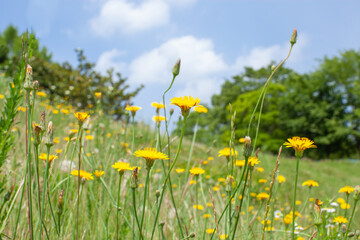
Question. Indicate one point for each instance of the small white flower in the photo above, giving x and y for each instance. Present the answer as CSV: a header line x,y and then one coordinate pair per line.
x,y
330,210
334,204
277,214
329,226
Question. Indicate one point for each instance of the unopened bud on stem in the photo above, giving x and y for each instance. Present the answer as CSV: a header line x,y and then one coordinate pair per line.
x,y
293,37
176,68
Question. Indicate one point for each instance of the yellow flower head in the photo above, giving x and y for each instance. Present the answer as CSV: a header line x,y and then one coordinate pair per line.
x,y
262,180
82,174
281,178
199,207
206,215
345,205
121,166
288,219
150,155
180,170
226,152
89,137
133,109
310,183
81,116
185,103
260,169
197,171
98,173
43,156
340,219
158,119
241,140
340,200
252,161
240,163
98,95
223,236
262,196
41,94
200,109
157,105
210,231
299,144
346,189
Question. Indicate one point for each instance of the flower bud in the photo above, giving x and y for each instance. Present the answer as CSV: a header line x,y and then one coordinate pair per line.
x,y
247,147
192,235
317,212
176,68
35,85
49,142
293,37
134,182
36,134
42,121
28,83
171,111
357,193
60,203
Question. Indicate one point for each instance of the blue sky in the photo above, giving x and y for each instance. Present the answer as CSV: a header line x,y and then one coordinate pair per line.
x,y
215,39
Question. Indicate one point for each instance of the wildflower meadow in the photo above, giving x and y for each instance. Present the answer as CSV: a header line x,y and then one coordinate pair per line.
x,y
82,173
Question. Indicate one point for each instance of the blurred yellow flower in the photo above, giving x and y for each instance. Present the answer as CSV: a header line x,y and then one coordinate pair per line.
x,y
223,236
281,179
206,215
262,196
98,173
82,174
340,219
263,180
226,152
346,189
157,105
121,166
288,219
54,111
41,94
43,156
158,119
345,205
241,140
58,151
200,109
252,161
199,207
89,137
298,202
133,109
81,116
197,171
65,111
210,231
180,170
259,169
97,95
340,200
310,183
2,96
240,163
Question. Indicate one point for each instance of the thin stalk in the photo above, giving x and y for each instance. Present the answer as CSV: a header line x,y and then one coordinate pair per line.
x,y
79,182
168,176
294,200
28,155
135,214
191,149
43,207
145,194
37,180
351,217
118,208
197,204
347,202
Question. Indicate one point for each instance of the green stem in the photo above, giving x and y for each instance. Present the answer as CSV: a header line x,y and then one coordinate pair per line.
x,y
79,182
135,214
118,208
38,182
168,176
294,200
145,194
351,217
43,207
191,149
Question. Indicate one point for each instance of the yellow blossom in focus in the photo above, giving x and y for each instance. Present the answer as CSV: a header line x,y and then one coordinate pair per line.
x,y
281,179
185,103
197,171
150,155
299,144
226,152
200,109
346,189
98,173
252,161
82,174
310,183
81,116
121,166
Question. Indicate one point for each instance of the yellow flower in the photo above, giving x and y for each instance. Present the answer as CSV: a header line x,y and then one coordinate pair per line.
x,y
157,105
209,204
43,156
340,200
200,109
223,236
310,183
133,109
81,116
206,215
262,181
210,231
180,170
2,96
65,111
58,151
340,219
185,103
21,109
54,111
288,219
41,94
240,163
346,189
197,171
281,179
252,161
299,145
226,152
262,196
260,169
210,158
199,207
298,202
300,238
150,155
192,182
97,95
158,119
241,140
121,166
82,174
215,189
267,222
345,205
98,173
89,137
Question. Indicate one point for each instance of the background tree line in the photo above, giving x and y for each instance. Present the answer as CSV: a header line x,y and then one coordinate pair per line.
x,y
322,105
65,83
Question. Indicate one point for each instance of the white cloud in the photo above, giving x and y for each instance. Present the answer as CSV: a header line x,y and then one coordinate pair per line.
x,y
127,17
203,70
